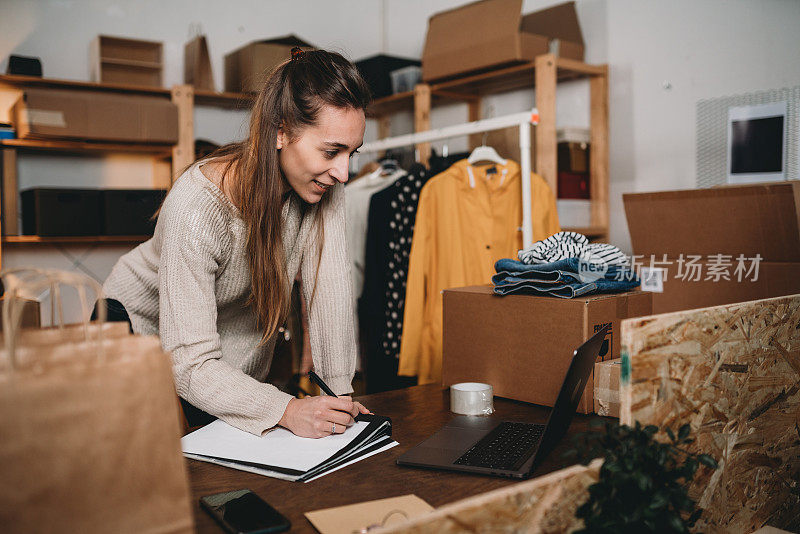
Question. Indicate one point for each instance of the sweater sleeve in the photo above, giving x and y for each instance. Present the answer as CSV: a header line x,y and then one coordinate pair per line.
x,y
195,244
330,305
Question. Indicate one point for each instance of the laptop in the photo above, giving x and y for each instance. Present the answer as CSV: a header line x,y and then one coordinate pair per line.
x,y
487,446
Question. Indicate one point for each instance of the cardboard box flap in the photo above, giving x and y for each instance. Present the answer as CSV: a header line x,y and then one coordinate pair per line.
x,y
471,25
558,22
286,40
756,219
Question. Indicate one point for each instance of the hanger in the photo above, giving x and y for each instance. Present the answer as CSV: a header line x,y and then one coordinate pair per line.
x,y
485,153
388,166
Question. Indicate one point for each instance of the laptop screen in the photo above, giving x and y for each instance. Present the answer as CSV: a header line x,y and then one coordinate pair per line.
x,y
578,374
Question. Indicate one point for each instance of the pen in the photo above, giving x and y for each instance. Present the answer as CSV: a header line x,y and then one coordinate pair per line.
x,y
322,385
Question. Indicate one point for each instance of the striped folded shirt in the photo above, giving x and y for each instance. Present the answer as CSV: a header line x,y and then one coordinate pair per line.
x,y
571,245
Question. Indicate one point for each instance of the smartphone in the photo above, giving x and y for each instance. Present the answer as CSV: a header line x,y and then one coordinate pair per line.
x,y
244,512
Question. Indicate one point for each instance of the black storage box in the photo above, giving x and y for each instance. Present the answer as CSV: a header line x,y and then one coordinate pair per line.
x,y
376,69
24,65
61,212
130,211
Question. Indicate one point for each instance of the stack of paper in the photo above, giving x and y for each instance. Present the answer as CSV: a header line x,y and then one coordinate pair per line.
x,y
281,454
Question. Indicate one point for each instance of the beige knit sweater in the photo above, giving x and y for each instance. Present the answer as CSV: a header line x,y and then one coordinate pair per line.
x,y
189,284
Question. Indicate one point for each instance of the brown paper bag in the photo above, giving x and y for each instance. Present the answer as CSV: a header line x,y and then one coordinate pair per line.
x,y
197,64
89,435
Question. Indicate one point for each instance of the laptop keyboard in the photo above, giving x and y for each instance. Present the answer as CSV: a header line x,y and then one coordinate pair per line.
x,y
506,447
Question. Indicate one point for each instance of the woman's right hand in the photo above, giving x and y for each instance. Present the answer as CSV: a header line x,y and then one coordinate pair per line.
x,y
314,417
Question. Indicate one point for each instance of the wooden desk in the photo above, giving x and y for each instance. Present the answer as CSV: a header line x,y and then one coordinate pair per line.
x,y
416,413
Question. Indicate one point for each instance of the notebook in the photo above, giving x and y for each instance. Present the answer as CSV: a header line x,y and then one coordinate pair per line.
x,y
281,454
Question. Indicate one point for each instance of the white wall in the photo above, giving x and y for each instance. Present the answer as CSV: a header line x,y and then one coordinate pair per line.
x,y
698,49
702,49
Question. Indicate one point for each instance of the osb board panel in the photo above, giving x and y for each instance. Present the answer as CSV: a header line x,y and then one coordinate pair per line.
x,y
545,504
733,373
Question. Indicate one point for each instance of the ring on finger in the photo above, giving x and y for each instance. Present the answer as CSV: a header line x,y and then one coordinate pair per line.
x,y
333,428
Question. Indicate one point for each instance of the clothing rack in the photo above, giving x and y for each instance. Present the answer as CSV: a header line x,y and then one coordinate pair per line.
x,y
523,120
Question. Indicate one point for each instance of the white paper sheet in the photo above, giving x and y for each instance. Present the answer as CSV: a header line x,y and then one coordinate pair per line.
x,y
279,447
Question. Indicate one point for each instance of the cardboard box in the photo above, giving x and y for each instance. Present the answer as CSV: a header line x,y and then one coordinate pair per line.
x,y
606,387
573,158
126,61
744,219
247,68
774,279
522,345
493,33
574,185
89,115
712,229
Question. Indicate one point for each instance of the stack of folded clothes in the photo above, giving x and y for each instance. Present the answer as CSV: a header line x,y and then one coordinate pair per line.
x,y
565,265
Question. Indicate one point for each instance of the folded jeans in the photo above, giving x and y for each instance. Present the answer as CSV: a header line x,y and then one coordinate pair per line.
x,y
565,278
510,285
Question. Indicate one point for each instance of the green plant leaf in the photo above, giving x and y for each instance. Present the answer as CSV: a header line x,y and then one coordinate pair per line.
x,y
660,500
643,483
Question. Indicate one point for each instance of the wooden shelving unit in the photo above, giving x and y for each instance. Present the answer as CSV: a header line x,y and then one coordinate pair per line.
x,y
180,155
223,100
22,82
82,147
542,74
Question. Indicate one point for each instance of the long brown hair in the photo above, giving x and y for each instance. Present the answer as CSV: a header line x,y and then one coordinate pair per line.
x,y
291,100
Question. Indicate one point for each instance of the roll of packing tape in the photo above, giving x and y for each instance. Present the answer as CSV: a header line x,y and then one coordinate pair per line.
x,y
471,398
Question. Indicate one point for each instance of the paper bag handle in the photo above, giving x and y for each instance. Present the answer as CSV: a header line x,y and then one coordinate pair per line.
x,y
33,280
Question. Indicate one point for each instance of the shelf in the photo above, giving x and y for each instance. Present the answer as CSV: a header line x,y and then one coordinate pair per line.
x,y
391,104
223,100
472,87
131,63
202,97
83,147
513,78
35,239
52,83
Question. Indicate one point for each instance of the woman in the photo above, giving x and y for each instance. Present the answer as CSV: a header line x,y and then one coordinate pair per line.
x,y
234,231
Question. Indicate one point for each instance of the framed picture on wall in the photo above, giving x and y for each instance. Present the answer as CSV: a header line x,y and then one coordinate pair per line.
x,y
757,143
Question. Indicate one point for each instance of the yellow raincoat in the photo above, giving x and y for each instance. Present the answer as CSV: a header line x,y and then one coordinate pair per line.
x,y
466,221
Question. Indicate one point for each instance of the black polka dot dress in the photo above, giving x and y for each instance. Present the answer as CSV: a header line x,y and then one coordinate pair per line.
x,y
390,228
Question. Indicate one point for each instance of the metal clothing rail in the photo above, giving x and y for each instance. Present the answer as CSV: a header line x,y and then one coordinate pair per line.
x,y
523,120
